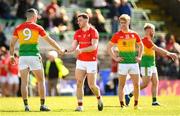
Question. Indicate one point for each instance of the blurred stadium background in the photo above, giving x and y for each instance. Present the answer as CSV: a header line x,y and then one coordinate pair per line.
x,y
58,18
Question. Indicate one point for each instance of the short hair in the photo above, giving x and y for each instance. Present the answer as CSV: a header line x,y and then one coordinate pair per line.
x,y
124,17
31,12
149,25
83,15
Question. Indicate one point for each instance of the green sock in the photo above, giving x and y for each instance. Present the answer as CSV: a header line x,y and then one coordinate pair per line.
x,y
154,99
42,101
25,102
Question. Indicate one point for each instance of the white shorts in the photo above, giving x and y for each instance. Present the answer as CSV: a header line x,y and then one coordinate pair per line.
x,y
148,71
13,79
3,79
88,66
124,69
31,62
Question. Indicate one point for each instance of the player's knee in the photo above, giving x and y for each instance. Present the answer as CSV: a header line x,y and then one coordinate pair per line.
x,y
92,86
136,85
79,83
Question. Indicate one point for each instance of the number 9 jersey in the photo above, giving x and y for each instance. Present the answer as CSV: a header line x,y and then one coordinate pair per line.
x,y
28,35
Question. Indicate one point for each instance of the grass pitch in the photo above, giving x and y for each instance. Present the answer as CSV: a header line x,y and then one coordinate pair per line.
x,y
64,106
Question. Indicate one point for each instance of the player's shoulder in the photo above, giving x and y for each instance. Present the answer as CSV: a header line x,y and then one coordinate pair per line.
x,y
133,32
37,25
118,33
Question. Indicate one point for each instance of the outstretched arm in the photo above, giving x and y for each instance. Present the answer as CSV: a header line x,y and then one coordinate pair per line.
x,y
73,46
165,52
53,44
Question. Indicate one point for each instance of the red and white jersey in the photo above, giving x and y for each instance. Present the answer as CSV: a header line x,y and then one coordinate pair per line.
x,y
84,39
3,65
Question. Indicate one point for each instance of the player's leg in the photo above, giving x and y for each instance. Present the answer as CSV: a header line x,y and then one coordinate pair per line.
x,y
91,78
122,81
154,89
80,77
95,89
35,65
24,87
39,74
122,72
16,85
136,83
146,78
50,84
3,85
135,76
10,85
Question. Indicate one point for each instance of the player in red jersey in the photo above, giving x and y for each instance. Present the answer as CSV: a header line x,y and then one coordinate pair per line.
x,y
28,34
13,78
86,65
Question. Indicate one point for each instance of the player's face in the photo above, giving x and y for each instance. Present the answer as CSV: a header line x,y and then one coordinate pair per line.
x,y
124,24
81,22
150,31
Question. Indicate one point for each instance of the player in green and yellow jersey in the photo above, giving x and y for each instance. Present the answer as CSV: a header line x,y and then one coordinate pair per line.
x,y
148,65
126,41
27,34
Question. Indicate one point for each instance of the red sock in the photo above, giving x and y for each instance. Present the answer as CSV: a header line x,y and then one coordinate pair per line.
x,y
80,103
99,97
121,103
135,103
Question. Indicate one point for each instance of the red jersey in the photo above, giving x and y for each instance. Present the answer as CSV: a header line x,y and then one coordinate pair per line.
x,y
84,38
13,68
3,64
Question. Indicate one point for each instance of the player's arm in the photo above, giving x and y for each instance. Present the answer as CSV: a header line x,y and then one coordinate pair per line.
x,y
140,49
12,45
73,47
164,52
53,43
111,52
90,48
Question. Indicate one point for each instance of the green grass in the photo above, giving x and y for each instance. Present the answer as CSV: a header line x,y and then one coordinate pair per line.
x,y
64,106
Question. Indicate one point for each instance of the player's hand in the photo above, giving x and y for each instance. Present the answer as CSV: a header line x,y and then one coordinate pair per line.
x,y
60,52
138,59
118,59
173,56
12,60
77,52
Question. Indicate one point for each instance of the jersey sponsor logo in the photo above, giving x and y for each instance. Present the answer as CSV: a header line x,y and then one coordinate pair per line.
x,y
84,42
124,43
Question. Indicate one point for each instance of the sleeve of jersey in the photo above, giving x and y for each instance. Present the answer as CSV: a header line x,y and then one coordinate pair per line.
x,y
42,32
76,36
138,39
15,33
114,39
94,34
148,44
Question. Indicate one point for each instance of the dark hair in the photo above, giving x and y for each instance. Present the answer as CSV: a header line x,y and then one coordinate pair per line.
x,y
83,15
30,12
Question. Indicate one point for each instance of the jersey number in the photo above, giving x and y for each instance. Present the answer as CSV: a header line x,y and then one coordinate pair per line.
x,y
27,33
